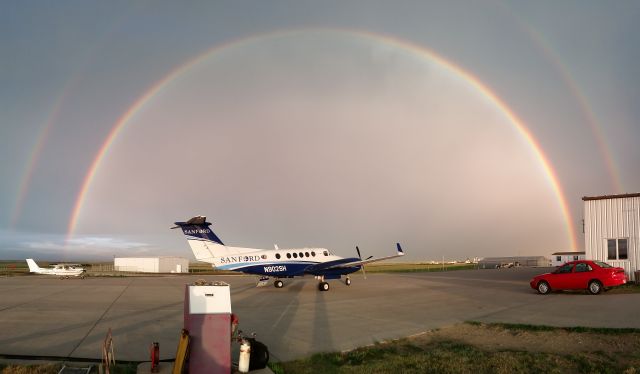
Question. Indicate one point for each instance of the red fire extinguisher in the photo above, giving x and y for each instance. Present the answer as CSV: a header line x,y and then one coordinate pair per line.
x,y
155,357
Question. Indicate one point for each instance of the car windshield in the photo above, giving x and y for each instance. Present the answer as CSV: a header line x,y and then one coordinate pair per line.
x,y
602,264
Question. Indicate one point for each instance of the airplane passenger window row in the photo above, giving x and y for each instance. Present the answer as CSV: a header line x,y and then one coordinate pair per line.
x,y
301,254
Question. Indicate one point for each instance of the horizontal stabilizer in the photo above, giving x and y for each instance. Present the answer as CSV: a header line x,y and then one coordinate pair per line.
x,y
197,228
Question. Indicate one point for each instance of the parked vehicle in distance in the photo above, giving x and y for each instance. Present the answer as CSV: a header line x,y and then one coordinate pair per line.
x,y
504,265
593,276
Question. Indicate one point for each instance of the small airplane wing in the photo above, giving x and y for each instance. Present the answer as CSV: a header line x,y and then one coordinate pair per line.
x,y
367,261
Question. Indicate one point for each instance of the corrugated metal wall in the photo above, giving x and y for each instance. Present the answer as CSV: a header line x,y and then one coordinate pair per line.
x,y
613,219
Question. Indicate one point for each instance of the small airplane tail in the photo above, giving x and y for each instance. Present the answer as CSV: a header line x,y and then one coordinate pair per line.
x,y
399,248
33,267
204,243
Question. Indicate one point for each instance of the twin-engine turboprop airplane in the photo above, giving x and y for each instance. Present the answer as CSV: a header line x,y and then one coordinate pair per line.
x,y
61,270
276,263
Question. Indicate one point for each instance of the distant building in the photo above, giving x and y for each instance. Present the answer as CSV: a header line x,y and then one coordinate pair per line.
x,y
612,230
151,264
494,262
560,258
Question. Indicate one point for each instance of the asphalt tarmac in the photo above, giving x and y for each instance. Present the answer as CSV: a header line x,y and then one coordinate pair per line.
x,y
45,317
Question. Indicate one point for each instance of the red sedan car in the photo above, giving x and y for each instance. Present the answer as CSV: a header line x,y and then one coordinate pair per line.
x,y
580,275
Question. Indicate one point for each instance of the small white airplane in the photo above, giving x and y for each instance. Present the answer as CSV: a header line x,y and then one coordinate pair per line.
x,y
61,270
276,263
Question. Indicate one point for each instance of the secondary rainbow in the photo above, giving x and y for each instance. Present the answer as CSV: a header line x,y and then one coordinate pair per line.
x,y
415,49
567,78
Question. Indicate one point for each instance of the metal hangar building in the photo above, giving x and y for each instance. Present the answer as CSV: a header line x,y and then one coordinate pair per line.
x,y
166,264
611,230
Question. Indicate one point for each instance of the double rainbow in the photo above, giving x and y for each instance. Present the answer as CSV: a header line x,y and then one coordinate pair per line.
x,y
415,49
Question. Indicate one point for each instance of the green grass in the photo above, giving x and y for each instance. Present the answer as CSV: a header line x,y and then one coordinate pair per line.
x,y
392,267
445,356
30,369
626,288
576,329
54,368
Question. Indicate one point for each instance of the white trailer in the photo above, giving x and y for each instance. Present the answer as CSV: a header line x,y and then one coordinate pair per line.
x,y
560,258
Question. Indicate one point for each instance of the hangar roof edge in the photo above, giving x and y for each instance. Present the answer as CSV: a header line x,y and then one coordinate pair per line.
x,y
604,197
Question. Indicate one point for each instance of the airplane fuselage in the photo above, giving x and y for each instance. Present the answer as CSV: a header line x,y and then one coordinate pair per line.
x,y
284,262
276,263
61,272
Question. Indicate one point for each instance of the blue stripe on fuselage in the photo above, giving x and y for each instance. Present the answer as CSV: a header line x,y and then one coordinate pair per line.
x,y
290,269
277,269
321,268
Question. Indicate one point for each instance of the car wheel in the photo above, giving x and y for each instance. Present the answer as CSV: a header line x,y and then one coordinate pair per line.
x,y
543,288
595,287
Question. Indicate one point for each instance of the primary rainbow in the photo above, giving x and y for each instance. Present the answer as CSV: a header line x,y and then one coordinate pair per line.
x,y
418,50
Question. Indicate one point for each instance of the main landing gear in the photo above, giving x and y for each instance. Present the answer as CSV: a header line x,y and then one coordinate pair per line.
x,y
323,286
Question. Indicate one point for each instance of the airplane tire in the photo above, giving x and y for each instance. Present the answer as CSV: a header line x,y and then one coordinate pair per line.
x,y
347,281
278,283
323,286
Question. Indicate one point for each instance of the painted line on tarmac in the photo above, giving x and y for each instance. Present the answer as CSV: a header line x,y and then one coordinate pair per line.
x,y
543,299
464,279
100,319
37,299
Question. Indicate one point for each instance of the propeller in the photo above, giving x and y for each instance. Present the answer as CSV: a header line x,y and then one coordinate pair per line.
x,y
362,266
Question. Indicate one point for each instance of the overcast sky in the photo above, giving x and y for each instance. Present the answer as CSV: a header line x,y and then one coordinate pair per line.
x,y
324,124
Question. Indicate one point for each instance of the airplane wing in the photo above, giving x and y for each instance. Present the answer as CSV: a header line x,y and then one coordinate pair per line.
x,y
367,261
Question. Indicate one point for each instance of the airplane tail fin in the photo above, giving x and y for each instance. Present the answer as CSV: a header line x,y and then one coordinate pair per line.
x,y
204,243
400,251
33,267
